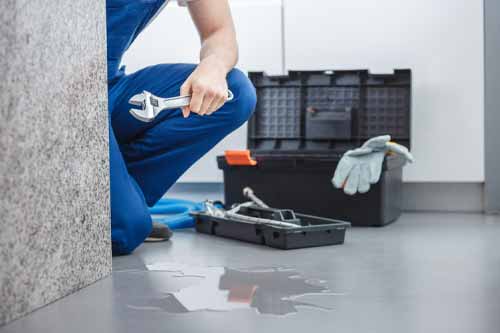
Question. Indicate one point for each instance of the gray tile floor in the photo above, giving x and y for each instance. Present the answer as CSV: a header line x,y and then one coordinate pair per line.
x,y
428,272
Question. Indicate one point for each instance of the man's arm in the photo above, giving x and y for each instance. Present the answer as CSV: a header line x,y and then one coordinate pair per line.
x,y
218,55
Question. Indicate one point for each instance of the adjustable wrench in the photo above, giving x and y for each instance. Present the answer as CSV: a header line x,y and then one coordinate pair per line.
x,y
152,105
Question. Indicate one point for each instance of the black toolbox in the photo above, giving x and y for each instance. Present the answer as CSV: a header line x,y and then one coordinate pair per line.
x,y
302,125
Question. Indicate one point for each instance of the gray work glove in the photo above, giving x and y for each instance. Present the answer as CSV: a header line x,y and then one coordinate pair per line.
x,y
361,167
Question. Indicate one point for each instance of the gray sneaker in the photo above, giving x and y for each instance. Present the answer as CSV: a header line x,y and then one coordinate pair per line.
x,y
160,233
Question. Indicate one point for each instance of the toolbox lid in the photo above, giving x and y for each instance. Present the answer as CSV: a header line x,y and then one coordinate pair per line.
x,y
328,112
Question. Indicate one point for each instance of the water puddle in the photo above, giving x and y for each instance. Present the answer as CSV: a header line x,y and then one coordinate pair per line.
x,y
276,291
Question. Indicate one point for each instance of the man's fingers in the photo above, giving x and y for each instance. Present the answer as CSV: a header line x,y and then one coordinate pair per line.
x,y
205,99
185,90
210,101
196,100
214,106
207,102
217,103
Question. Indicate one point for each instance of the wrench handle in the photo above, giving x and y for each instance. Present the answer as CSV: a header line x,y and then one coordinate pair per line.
x,y
180,101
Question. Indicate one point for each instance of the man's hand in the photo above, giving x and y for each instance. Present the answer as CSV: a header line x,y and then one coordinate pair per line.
x,y
208,87
218,54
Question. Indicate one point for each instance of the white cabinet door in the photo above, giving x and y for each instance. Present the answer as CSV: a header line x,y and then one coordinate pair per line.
x,y
172,38
441,41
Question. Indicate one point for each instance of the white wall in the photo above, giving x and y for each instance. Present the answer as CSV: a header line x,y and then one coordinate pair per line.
x,y
441,41
173,38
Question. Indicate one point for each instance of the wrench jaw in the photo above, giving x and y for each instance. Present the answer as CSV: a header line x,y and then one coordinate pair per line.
x,y
147,111
138,114
137,100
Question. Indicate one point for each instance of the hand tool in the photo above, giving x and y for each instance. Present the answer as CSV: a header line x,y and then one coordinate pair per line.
x,y
248,192
152,105
235,215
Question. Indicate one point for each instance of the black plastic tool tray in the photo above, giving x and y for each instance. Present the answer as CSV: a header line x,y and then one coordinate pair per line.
x,y
302,125
315,231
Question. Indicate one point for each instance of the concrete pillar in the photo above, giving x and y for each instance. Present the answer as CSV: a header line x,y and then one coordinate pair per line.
x,y
54,178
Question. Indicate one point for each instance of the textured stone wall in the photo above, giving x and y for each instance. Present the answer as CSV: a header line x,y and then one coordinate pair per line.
x,y
54,184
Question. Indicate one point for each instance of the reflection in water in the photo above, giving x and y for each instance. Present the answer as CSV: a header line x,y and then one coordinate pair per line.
x,y
267,290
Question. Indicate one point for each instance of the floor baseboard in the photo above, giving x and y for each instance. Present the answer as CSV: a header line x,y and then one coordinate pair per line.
x,y
443,197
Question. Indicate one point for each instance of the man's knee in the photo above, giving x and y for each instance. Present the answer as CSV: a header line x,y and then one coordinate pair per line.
x,y
128,230
245,98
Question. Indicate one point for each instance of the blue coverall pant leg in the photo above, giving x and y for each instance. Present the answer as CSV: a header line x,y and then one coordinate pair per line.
x,y
146,159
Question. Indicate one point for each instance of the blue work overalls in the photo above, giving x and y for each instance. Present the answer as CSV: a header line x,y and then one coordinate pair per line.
x,y
147,158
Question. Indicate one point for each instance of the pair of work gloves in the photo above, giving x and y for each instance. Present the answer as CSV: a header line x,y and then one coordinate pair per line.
x,y
360,168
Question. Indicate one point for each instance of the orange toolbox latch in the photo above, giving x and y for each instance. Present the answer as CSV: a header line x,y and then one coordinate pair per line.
x,y
239,157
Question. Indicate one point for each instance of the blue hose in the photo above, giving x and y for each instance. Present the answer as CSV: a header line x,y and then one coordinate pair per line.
x,y
175,212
